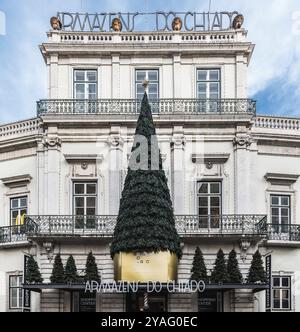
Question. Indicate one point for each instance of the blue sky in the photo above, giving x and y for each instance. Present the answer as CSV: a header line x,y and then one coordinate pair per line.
x,y
273,25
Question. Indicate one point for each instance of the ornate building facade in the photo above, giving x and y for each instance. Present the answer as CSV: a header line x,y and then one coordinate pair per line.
x,y
233,174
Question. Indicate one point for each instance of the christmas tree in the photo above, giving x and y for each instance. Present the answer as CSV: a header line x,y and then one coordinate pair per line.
x,y
58,272
199,271
146,221
91,269
71,274
233,270
257,272
219,273
33,274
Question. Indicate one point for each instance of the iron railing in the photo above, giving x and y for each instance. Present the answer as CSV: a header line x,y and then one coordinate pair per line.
x,y
15,234
186,225
277,232
133,106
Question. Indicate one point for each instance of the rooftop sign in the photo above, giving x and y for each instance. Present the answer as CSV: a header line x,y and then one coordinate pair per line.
x,y
158,21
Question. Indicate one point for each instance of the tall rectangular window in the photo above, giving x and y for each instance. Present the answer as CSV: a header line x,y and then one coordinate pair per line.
x,y
85,84
209,204
15,292
280,213
18,210
85,204
152,75
208,84
281,293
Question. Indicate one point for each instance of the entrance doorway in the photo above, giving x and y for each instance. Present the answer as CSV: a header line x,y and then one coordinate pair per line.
x,y
210,301
156,302
83,302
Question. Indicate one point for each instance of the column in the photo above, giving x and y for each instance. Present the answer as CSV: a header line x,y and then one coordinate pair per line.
x,y
178,170
53,72
115,76
177,79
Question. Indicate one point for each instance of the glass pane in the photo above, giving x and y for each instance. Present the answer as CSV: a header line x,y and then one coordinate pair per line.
x,y
13,297
285,201
91,188
79,75
22,212
275,211
215,188
140,75
23,202
214,75
276,304
140,88
153,88
92,88
92,76
153,75
203,201
79,188
91,211
203,188
202,87
13,281
276,282
214,88
285,282
203,212
285,304
14,203
214,211
275,200
79,202
91,202
80,91
284,220
285,294
215,201
79,212
285,212
20,298
202,75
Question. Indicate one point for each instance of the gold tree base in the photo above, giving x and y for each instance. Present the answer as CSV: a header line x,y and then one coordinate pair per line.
x,y
144,267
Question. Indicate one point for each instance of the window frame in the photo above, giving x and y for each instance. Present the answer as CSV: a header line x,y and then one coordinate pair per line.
x,y
136,82
280,225
207,82
18,287
281,288
85,82
19,208
209,195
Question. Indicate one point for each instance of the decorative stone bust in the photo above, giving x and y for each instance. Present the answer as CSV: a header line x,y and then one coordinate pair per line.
x,y
238,21
55,23
116,25
177,24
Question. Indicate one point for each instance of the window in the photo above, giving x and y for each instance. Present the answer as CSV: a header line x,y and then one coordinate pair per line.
x,y
85,84
208,83
280,213
209,204
153,76
18,210
281,293
15,292
85,204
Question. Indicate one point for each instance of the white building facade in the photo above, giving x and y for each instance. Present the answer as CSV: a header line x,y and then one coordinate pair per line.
x,y
233,174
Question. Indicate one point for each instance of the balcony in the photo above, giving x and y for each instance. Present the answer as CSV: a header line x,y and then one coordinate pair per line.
x,y
16,234
283,233
169,107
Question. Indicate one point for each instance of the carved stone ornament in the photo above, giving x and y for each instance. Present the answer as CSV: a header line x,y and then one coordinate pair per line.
x,y
178,141
55,23
177,24
84,165
244,245
116,25
243,140
115,141
52,142
238,22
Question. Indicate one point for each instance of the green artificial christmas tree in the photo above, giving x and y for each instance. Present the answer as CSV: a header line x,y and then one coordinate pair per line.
x,y
233,270
58,272
257,272
219,273
71,274
146,221
33,274
91,269
199,271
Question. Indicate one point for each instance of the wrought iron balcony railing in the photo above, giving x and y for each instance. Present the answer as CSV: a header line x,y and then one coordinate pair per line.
x,y
159,106
52,226
283,232
15,234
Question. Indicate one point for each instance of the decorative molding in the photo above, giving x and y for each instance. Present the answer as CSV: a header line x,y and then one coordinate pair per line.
x,y
17,181
281,179
178,141
83,158
114,141
210,159
52,142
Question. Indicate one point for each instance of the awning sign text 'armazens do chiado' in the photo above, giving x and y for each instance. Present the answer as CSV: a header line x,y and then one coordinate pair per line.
x,y
158,21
